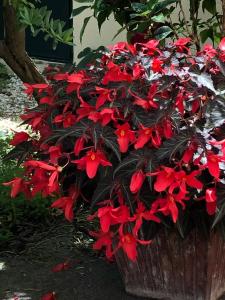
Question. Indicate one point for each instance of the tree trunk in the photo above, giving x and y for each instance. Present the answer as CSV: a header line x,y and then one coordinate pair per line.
x,y
223,20
12,49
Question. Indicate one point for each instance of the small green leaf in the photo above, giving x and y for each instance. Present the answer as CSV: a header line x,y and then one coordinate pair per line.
x,y
86,20
138,7
162,32
158,18
79,10
118,32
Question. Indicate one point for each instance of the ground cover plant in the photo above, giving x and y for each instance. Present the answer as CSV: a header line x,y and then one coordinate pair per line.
x,y
20,219
138,138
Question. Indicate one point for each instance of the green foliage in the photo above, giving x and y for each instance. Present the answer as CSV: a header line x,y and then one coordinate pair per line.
x,y
18,217
155,18
41,20
132,16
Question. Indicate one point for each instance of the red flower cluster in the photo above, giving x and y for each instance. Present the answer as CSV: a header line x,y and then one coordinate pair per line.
x,y
140,134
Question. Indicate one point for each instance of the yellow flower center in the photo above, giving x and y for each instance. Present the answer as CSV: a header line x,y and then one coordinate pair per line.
x,y
122,133
93,156
147,131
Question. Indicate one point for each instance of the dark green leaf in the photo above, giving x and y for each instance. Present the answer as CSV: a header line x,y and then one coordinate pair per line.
x,y
171,147
102,16
102,190
160,6
162,32
210,6
138,7
119,31
110,141
79,10
20,152
86,20
84,52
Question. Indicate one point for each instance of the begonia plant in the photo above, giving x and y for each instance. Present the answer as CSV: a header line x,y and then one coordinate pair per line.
x,y
138,137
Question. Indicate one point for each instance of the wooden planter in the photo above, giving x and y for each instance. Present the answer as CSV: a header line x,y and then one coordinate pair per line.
x,y
176,269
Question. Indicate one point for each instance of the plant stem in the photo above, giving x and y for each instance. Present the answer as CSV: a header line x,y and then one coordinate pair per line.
x,y
190,33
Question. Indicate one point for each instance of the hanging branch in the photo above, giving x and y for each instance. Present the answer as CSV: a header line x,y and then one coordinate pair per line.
x,y
190,33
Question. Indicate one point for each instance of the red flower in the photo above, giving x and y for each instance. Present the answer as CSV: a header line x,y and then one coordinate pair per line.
x,y
55,154
222,44
17,186
79,145
151,47
49,296
137,71
145,135
189,152
104,95
61,267
181,179
181,44
68,119
124,136
168,205
213,164
104,240
142,213
115,73
110,216
47,100
209,50
91,162
19,138
128,242
137,180
66,204
157,65
31,87
210,197
164,178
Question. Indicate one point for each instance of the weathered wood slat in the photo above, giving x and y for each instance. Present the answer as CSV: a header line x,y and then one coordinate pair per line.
x,y
176,269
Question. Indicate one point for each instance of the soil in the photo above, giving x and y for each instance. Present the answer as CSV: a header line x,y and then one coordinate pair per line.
x,y
29,275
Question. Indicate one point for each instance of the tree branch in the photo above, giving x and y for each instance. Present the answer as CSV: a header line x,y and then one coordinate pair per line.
x,y
223,19
1,49
12,49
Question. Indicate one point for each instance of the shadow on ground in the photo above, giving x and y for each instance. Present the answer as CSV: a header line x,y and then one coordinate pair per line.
x,y
29,275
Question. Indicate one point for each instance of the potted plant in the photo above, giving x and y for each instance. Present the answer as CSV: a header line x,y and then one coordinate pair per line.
x,y
138,138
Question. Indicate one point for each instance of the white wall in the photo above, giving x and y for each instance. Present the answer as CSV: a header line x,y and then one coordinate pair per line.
x,y
93,39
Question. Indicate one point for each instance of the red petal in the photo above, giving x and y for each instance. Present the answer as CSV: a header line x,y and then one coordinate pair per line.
x,y
130,248
105,222
92,167
213,167
173,210
136,181
123,143
222,44
69,210
19,137
61,267
49,296
163,181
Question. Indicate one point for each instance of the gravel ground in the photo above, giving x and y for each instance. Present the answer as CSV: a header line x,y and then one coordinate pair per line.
x,y
13,102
